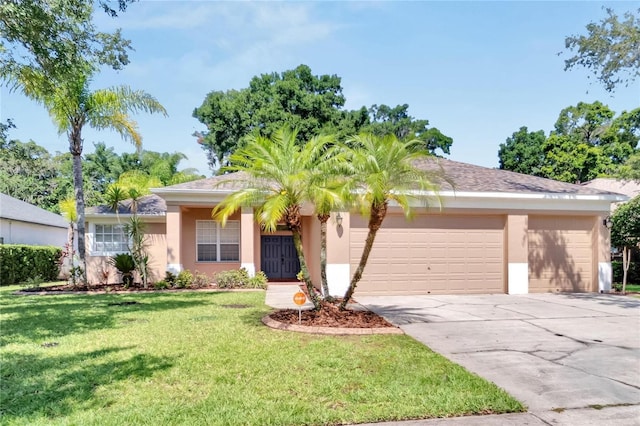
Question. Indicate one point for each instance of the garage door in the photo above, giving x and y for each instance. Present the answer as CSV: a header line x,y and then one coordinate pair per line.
x,y
560,254
431,255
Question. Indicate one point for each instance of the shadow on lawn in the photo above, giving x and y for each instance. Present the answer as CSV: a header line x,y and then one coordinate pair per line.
x,y
35,318
53,386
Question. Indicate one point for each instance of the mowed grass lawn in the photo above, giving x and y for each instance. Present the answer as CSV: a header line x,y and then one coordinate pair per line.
x,y
201,358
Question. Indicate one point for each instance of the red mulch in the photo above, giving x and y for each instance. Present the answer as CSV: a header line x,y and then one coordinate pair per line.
x,y
331,316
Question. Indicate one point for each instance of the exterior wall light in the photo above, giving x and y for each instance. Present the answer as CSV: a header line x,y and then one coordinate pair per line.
x,y
339,220
606,222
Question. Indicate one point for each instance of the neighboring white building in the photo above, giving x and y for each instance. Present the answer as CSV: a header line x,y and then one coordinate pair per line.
x,y
24,223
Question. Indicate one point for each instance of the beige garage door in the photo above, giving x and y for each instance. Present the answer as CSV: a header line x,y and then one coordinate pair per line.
x,y
560,254
431,255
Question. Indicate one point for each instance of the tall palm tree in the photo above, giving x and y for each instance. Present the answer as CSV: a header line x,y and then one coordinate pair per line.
x,y
328,190
279,173
384,172
72,105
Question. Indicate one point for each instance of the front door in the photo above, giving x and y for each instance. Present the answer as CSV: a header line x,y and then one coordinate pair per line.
x,y
279,257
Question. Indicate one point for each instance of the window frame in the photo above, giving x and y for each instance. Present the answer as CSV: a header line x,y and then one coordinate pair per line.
x,y
218,241
94,240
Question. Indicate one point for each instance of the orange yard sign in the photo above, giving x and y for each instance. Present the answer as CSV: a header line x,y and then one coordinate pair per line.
x,y
299,298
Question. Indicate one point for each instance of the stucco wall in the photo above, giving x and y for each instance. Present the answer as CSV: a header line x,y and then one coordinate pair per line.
x,y
17,232
99,270
188,248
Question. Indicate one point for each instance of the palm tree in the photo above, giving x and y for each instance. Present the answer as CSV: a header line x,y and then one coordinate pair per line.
x,y
279,174
72,105
384,172
328,191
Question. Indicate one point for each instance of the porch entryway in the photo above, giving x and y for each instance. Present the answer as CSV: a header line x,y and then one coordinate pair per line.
x,y
279,257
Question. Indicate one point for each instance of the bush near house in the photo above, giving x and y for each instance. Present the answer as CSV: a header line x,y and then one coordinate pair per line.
x,y
633,276
20,263
239,278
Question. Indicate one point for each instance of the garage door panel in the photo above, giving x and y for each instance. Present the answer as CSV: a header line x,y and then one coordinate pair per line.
x,y
560,254
431,254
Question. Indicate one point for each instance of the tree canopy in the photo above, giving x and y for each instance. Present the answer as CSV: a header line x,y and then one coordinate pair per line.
x,y
311,104
588,141
43,42
610,49
523,152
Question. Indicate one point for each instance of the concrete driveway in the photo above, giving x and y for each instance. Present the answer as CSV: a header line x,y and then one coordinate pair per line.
x,y
571,358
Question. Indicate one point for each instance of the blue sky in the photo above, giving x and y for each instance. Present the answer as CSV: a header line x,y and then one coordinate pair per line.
x,y
476,70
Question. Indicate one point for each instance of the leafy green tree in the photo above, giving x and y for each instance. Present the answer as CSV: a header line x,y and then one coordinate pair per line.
x,y
625,232
28,173
278,173
298,99
43,42
631,168
385,120
295,98
384,172
573,161
102,167
523,152
589,141
611,49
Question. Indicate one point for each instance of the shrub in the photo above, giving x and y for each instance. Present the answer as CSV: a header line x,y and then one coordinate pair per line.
x,y
633,276
33,282
170,278
161,285
124,263
184,279
239,278
201,280
20,262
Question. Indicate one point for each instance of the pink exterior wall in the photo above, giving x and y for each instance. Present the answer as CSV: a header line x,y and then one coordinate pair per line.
x,y
188,239
155,233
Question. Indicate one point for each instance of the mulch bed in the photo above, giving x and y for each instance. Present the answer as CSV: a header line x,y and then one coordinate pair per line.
x,y
101,288
331,316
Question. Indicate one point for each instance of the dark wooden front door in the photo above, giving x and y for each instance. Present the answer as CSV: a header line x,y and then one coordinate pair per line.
x,y
279,257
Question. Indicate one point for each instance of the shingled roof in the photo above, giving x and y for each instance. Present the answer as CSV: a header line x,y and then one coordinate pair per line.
x,y
472,178
14,209
465,178
149,205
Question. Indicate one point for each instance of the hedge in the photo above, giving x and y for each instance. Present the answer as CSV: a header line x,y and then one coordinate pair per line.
x,y
19,263
633,275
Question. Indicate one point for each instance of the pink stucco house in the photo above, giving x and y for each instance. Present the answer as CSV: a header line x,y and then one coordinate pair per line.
x,y
497,232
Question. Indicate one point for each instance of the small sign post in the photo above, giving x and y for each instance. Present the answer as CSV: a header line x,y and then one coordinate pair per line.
x,y
299,299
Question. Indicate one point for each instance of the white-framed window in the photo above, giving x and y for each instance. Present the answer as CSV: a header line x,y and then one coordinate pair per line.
x,y
217,244
109,239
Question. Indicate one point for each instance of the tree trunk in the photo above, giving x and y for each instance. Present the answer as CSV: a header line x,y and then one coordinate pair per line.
x,y
626,262
324,218
75,147
297,242
71,253
375,221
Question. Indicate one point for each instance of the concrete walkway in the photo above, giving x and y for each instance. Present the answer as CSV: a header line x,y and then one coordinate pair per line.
x,y
280,296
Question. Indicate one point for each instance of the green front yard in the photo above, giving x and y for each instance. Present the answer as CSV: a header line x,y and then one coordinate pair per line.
x,y
206,359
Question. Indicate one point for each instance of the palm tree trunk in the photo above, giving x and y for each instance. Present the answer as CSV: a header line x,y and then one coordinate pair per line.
x,y
324,218
297,242
378,214
75,147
